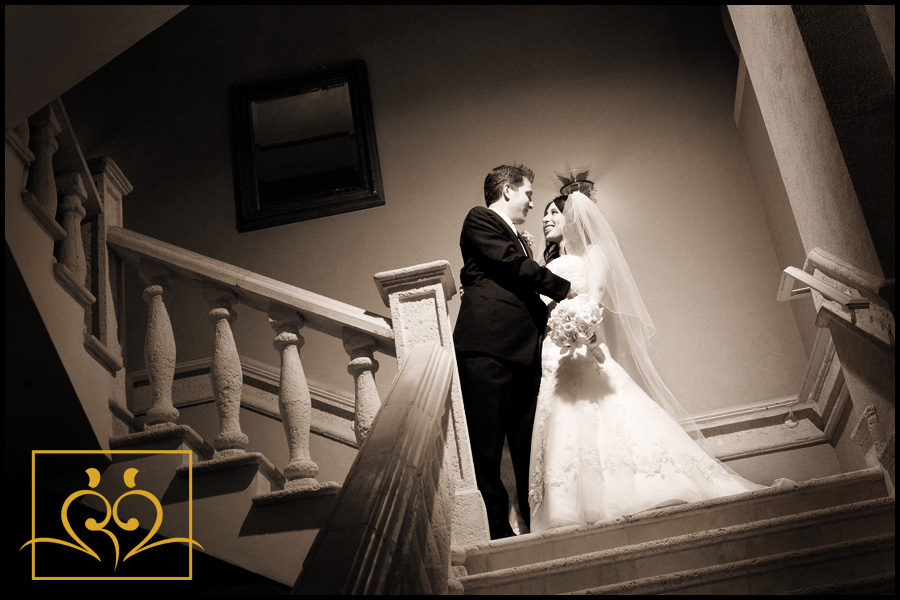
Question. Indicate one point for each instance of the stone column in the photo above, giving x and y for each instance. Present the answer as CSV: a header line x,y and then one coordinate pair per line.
x,y
363,366
159,346
417,297
294,401
226,376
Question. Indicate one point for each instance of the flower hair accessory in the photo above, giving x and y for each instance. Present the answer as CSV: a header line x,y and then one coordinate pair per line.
x,y
575,322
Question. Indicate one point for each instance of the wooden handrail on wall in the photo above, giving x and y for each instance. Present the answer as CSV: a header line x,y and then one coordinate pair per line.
x,y
833,268
787,292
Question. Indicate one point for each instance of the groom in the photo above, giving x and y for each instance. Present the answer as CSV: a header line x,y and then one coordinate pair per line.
x,y
497,337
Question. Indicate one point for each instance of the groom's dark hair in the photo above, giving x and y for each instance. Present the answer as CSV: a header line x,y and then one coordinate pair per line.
x,y
513,176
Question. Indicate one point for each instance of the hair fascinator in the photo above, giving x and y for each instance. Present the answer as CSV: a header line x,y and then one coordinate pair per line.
x,y
575,180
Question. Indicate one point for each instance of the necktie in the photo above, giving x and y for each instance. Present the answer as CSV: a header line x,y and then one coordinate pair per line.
x,y
524,244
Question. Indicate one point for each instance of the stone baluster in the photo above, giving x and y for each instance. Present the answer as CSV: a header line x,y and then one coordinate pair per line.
x,y
294,401
70,254
18,141
360,348
23,131
159,346
226,376
45,128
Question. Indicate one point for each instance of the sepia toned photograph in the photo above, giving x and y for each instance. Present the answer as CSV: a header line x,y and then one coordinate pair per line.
x,y
450,300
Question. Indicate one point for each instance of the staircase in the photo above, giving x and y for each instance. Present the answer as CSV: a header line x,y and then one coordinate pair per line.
x,y
256,492
829,535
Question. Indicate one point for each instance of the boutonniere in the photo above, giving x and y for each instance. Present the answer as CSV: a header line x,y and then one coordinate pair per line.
x,y
528,238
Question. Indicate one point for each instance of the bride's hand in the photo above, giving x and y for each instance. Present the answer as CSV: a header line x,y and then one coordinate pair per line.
x,y
596,350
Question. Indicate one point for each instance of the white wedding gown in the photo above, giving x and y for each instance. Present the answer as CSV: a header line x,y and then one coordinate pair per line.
x,y
602,448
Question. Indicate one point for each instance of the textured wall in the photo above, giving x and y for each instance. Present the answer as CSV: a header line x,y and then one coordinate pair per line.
x,y
773,197
645,94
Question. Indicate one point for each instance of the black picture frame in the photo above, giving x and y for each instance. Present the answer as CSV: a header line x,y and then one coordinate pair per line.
x,y
304,146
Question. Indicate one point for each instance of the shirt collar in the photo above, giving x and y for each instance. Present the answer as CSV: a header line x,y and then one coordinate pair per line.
x,y
505,218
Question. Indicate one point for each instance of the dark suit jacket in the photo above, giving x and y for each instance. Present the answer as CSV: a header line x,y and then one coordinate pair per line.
x,y
501,313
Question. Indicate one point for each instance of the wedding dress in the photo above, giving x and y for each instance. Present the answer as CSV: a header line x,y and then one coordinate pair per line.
x,y
601,446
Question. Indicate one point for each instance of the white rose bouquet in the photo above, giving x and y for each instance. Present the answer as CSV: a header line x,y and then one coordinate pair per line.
x,y
575,322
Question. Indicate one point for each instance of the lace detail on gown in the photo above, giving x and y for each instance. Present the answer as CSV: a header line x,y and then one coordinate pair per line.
x,y
602,448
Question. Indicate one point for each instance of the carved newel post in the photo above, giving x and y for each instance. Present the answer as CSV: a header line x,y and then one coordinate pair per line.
x,y
226,376
159,345
44,129
361,348
294,401
417,297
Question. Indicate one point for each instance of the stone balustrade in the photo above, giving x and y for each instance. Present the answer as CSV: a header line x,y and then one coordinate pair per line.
x,y
73,203
289,309
45,128
79,206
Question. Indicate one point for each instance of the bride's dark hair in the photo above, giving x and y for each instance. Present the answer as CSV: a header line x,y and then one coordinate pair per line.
x,y
551,250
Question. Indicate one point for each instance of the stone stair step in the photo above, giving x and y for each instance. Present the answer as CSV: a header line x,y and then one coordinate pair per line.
x,y
876,585
692,551
864,566
677,520
229,500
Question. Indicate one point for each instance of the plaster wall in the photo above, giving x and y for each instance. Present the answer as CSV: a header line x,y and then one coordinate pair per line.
x,y
643,94
776,206
46,47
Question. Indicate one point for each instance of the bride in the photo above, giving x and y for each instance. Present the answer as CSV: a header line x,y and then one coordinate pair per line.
x,y
609,442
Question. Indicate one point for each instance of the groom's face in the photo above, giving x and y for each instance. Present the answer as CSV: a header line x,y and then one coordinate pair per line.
x,y
519,202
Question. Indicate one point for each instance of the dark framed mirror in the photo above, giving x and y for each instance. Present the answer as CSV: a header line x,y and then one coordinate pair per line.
x,y
304,146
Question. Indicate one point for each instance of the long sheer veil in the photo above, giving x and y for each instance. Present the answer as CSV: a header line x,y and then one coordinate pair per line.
x,y
628,326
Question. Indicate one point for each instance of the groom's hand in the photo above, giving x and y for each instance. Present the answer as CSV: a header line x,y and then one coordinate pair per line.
x,y
571,294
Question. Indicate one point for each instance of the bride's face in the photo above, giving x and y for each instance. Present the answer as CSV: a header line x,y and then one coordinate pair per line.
x,y
553,224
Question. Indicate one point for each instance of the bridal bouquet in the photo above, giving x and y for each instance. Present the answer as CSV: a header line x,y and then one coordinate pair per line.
x,y
575,322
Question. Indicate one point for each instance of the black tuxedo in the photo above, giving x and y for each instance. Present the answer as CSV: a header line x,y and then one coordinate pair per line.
x,y
497,338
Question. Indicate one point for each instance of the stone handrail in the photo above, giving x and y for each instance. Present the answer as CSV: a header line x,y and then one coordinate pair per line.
x,y
257,291
389,532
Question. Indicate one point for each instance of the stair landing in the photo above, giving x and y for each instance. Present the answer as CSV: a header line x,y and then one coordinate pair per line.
x,y
822,532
